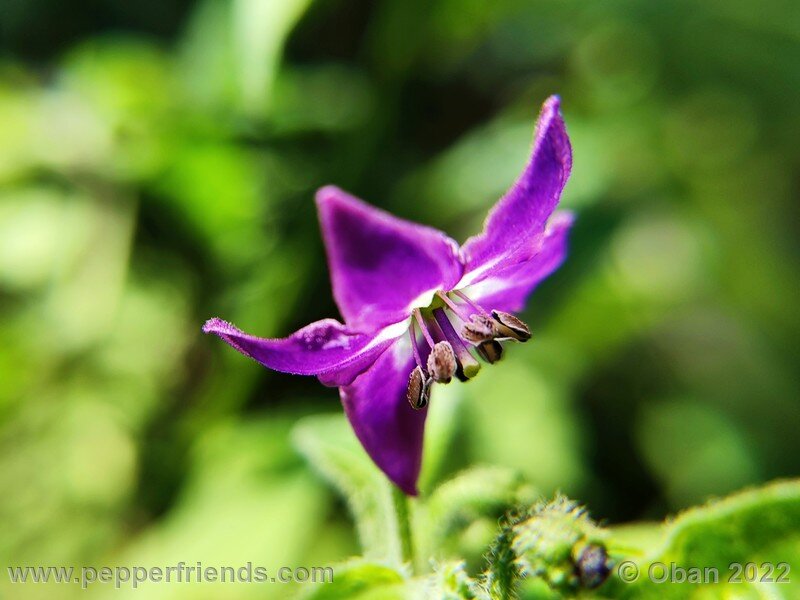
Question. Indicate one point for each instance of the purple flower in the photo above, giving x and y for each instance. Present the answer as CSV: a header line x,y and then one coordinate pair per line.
x,y
419,309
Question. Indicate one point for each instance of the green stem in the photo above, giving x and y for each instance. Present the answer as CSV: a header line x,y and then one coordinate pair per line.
x,y
402,508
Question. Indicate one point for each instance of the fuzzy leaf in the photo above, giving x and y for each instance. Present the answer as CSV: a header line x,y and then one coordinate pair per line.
x,y
451,582
359,580
481,493
754,526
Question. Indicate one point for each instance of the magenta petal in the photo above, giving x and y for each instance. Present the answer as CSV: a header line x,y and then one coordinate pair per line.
x,y
513,229
380,264
507,289
325,348
388,428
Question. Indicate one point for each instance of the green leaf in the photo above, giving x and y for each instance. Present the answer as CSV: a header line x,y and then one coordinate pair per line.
x,y
232,50
758,525
358,579
330,446
327,97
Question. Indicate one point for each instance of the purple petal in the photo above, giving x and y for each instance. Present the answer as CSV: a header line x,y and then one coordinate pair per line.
x,y
325,348
380,265
389,429
513,229
507,289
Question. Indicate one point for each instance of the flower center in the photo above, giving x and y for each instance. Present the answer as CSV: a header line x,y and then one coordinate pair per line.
x,y
441,351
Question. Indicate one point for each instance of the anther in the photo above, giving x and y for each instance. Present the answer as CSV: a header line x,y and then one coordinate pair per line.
x,y
509,326
418,392
490,351
481,328
442,362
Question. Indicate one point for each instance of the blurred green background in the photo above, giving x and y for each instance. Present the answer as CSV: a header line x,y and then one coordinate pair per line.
x,y
157,167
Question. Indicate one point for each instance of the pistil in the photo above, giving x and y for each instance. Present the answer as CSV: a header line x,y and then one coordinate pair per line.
x,y
457,310
468,366
466,299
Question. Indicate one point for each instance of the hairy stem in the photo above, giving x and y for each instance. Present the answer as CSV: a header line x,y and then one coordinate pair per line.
x,y
402,508
500,580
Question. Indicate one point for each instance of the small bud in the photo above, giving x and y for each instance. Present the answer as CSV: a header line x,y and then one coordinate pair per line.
x,y
481,328
490,351
419,389
509,326
593,566
442,362
558,542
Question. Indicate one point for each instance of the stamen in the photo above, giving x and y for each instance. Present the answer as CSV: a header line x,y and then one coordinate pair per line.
x,y
457,310
442,362
412,330
511,327
468,367
418,392
490,351
466,299
481,328
425,332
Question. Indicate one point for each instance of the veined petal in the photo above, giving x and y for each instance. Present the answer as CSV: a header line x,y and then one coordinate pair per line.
x,y
513,229
325,348
380,265
507,289
388,428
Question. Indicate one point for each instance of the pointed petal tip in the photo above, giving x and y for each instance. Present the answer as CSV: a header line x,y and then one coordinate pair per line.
x,y
215,325
551,110
334,195
406,482
325,348
523,212
332,200
551,126
409,489
553,103
550,114
327,192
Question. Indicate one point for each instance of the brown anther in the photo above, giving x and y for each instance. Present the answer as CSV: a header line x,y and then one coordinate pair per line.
x,y
481,328
418,392
490,351
442,362
509,326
